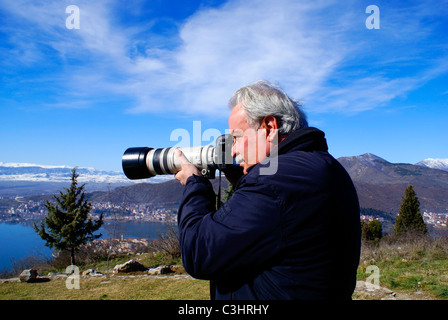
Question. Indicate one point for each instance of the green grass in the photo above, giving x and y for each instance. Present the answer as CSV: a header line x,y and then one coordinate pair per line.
x,y
146,288
414,265
136,286
409,266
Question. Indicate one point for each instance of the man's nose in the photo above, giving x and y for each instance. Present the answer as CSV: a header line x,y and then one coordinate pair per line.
x,y
233,150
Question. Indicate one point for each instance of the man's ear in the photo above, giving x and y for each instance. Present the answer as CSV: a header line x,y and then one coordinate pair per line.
x,y
271,125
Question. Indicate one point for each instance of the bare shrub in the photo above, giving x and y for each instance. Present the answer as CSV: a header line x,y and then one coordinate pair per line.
x,y
86,254
34,261
168,241
409,247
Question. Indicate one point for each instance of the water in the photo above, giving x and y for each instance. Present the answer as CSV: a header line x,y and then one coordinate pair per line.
x,y
20,240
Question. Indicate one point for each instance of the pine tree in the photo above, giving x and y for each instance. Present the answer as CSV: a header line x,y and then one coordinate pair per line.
x,y
67,224
409,219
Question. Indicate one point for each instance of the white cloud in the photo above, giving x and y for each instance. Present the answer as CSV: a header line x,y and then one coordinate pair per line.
x,y
303,46
361,95
243,41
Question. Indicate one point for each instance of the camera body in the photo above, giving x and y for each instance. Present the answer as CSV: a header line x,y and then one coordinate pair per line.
x,y
144,162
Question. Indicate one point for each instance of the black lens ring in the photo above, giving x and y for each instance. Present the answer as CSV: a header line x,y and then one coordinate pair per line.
x,y
165,161
134,163
156,161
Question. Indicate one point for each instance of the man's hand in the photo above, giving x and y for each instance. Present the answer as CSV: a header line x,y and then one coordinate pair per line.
x,y
187,169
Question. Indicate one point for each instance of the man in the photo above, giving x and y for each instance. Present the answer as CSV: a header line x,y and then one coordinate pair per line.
x,y
291,229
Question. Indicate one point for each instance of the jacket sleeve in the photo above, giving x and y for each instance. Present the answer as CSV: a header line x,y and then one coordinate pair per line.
x,y
244,233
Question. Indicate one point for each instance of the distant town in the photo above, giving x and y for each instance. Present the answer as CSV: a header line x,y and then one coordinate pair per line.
x,y
30,210
430,218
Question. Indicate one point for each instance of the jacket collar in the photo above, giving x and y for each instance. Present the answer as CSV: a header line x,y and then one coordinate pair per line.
x,y
305,139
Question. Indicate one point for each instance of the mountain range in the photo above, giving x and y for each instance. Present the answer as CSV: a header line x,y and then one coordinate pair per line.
x,y
379,183
24,179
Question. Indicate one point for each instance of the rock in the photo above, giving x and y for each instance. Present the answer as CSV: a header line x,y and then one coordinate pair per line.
x,y
160,270
368,291
153,271
9,280
130,266
28,275
92,273
178,269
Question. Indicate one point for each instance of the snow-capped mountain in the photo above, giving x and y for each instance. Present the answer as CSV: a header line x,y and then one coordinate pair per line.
x,y
20,179
44,173
380,184
441,164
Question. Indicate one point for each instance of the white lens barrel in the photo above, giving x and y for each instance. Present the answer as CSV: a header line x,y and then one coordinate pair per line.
x,y
165,161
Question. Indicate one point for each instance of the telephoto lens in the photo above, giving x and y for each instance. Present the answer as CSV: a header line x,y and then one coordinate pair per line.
x,y
144,162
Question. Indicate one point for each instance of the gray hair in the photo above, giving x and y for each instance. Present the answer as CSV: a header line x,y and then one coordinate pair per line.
x,y
263,98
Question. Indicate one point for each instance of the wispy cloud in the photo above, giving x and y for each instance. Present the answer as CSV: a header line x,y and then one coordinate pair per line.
x,y
312,49
244,41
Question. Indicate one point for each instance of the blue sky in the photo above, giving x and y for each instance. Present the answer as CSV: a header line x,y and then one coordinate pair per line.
x,y
135,71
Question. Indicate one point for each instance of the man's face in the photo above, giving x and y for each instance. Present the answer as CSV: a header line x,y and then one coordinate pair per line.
x,y
249,145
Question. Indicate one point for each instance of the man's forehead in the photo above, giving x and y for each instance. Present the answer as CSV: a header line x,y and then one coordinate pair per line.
x,y
237,119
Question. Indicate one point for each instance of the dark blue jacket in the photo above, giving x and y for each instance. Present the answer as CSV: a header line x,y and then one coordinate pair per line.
x,y
294,234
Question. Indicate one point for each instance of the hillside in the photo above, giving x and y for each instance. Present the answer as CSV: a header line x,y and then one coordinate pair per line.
x,y
380,184
164,192
413,270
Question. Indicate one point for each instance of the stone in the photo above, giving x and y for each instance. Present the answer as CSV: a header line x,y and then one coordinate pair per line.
x,y
368,291
92,273
160,270
10,280
178,269
129,266
28,275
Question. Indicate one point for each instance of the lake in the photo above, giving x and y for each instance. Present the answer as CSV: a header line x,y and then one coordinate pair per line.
x,y
20,240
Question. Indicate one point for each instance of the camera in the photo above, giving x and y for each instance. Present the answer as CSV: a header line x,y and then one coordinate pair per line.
x,y
144,162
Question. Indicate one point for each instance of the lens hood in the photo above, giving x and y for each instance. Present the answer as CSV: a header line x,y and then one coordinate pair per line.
x,y
134,163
